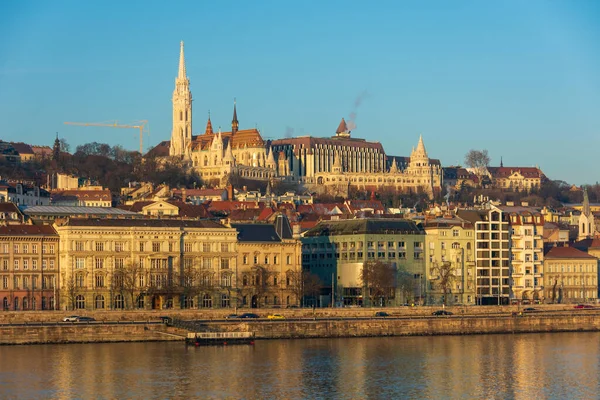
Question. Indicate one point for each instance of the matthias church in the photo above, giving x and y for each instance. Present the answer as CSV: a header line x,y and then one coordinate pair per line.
x,y
334,164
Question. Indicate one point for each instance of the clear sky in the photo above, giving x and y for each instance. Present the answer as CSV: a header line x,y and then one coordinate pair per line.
x,y
520,79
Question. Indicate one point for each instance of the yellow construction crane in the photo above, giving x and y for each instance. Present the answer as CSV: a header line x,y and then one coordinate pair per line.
x,y
140,125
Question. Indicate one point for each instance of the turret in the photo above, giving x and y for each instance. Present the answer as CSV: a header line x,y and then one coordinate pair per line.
x,y
234,122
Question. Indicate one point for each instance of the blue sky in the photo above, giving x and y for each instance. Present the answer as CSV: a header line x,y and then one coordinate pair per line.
x,y
520,79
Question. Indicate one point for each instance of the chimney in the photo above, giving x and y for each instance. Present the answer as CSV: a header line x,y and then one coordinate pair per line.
x,y
230,192
183,195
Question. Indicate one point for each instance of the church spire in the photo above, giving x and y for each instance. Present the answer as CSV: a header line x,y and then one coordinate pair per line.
x,y
182,74
209,128
234,122
586,203
501,164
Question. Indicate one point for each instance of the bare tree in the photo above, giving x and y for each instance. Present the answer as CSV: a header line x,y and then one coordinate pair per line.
x,y
379,281
478,160
71,291
126,280
443,275
312,285
303,283
406,285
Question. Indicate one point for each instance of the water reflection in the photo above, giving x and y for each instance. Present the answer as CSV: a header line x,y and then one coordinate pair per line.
x,y
541,366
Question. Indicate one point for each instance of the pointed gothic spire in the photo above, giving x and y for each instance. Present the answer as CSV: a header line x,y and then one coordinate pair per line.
x,y
501,164
182,74
271,158
394,167
228,152
234,122
421,145
586,203
209,128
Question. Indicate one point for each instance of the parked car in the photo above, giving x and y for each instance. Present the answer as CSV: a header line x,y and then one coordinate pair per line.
x,y
232,316
71,318
441,312
85,319
529,309
583,306
275,316
381,314
249,315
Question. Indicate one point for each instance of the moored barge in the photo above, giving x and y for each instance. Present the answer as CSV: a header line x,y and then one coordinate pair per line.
x,y
219,338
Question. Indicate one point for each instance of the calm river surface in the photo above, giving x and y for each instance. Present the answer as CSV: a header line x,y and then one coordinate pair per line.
x,y
528,366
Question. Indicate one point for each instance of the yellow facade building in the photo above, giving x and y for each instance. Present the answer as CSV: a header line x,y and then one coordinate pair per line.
x,y
571,276
269,264
148,264
450,244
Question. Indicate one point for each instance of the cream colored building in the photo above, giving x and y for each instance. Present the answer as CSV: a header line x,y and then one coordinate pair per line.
x,y
492,254
526,252
571,276
450,244
340,163
269,264
148,264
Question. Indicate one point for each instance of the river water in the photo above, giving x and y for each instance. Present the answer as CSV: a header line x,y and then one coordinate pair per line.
x,y
526,366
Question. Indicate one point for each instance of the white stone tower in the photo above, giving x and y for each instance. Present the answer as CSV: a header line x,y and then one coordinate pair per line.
x,y
181,136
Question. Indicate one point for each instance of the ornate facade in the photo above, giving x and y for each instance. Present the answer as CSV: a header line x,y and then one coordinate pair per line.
x,y
341,162
332,164
28,267
149,264
215,155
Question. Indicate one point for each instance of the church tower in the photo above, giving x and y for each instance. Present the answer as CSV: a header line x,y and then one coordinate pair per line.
x,y
181,136
587,225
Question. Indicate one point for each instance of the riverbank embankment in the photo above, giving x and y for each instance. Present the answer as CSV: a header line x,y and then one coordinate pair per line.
x,y
136,326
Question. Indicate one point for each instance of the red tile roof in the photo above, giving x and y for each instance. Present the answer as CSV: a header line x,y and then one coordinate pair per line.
x,y
567,252
242,138
22,148
25,230
505,172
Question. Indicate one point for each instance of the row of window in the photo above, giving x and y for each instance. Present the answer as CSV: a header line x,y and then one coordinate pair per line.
x,y
27,303
360,245
266,259
154,281
26,248
359,255
153,246
28,282
25,263
572,268
155,263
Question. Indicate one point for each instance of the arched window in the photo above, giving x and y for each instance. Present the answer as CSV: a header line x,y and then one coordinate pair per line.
x,y
33,303
456,245
207,301
180,116
99,303
52,303
80,302
25,303
5,304
225,300
16,304
119,302
140,301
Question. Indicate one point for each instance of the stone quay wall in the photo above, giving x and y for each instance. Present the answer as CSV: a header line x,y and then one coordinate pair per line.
x,y
410,324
